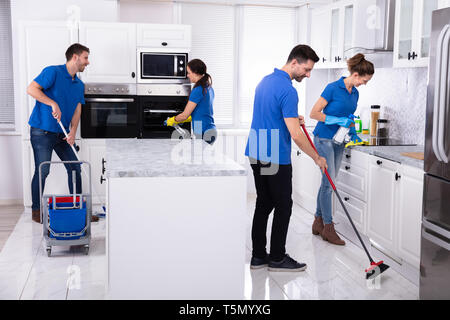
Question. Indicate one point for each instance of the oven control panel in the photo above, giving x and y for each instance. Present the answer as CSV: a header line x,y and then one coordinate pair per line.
x,y
109,89
163,89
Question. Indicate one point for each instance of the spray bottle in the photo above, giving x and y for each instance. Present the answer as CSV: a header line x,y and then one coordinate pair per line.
x,y
342,134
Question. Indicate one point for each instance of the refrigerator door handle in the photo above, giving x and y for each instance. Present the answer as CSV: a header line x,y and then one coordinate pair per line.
x,y
437,88
435,228
444,97
436,240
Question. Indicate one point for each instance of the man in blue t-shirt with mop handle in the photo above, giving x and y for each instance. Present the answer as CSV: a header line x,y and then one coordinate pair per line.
x,y
275,122
59,94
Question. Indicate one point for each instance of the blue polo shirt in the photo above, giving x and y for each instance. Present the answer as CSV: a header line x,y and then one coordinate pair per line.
x,y
275,99
341,103
59,86
202,116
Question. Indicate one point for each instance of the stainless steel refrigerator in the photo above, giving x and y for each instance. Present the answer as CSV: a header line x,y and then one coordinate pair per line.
x,y
435,245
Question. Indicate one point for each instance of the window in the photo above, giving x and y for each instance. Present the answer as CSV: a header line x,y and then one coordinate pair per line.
x,y
6,73
266,39
213,42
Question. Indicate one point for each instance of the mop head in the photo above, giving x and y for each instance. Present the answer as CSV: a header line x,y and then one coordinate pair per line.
x,y
375,270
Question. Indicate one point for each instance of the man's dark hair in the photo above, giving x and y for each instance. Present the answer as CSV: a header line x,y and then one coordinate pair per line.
x,y
77,49
302,53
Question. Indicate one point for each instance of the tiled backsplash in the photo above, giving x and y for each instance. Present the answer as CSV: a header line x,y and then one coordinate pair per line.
x,y
402,94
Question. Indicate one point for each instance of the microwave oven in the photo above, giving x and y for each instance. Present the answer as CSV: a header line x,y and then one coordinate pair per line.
x,y
161,67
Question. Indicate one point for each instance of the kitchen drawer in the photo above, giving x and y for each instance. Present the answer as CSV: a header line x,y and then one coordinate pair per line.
x,y
356,158
353,180
355,207
383,163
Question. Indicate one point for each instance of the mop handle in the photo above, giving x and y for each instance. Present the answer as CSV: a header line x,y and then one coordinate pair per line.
x,y
312,145
67,136
340,200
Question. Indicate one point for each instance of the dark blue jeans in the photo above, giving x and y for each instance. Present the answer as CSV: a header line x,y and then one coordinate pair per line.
x,y
43,143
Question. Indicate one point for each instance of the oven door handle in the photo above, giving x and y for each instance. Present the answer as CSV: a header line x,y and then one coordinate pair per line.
x,y
109,100
161,111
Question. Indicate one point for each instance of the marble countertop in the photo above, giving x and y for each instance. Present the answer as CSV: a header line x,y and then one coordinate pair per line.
x,y
394,153
167,158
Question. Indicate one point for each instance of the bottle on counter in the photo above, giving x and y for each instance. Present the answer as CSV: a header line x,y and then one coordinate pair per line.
x,y
374,116
358,124
382,128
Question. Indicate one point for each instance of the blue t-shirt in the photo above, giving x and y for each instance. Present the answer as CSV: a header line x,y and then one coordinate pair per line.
x,y
275,99
202,116
59,86
341,103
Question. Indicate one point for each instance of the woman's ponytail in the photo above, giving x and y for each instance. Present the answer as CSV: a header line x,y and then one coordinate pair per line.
x,y
197,66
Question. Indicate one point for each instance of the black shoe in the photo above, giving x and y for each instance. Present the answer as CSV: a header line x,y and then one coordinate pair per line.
x,y
258,263
287,264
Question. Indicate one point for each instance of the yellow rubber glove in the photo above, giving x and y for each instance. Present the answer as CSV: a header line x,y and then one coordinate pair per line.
x,y
170,122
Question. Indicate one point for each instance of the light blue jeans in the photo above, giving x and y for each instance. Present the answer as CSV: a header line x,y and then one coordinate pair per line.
x,y
333,153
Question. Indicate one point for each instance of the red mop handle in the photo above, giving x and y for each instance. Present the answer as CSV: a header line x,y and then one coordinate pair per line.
x,y
312,144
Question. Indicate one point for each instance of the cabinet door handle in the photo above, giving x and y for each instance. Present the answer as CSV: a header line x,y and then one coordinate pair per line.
x,y
346,198
409,56
298,153
164,44
414,55
102,179
323,59
379,162
397,176
348,156
133,74
347,168
103,165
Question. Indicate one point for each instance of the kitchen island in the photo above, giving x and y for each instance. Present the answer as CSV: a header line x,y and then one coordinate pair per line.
x,y
175,221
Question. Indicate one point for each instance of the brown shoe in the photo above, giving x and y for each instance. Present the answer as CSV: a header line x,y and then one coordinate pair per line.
x,y
330,235
36,215
317,226
94,218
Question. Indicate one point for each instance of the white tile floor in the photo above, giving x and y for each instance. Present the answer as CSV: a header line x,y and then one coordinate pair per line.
x,y
333,272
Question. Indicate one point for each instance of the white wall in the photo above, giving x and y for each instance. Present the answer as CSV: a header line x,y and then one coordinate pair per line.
x,y
10,169
139,11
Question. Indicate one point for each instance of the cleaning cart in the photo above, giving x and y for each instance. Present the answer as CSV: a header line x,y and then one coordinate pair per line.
x,y
66,218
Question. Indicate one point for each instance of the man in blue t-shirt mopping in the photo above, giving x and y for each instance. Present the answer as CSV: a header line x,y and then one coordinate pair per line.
x,y
275,122
59,94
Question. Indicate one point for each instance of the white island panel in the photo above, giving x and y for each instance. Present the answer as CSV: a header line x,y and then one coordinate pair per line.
x,y
176,238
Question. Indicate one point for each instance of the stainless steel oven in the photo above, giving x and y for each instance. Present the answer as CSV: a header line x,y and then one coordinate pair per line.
x,y
156,104
110,111
161,66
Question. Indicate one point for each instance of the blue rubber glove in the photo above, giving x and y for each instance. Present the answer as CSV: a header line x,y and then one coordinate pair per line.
x,y
342,121
353,136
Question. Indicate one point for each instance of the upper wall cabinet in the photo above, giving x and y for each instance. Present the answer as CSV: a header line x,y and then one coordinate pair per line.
x,y
413,30
112,52
161,36
341,29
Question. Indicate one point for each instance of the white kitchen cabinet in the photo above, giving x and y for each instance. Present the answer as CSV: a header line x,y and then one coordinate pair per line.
x,y
112,51
94,152
352,185
41,44
410,201
340,29
161,36
306,180
413,30
56,182
383,193
320,35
